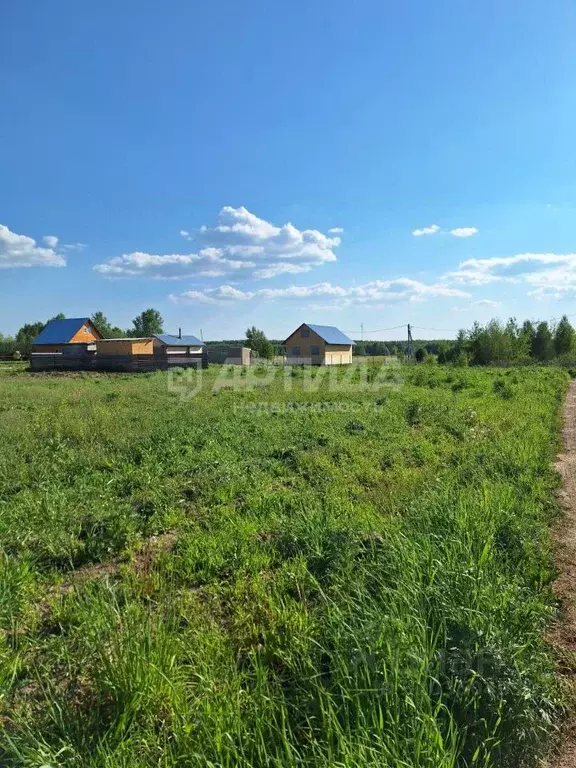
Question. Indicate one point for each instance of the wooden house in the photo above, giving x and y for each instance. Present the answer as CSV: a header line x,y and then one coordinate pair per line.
x,y
318,345
58,333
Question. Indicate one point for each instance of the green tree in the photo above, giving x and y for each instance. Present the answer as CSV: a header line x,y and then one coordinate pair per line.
x,y
7,345
28,332
543,343
527,333
102,324
497,343
460,347
107,330
376,348
563,337
147,323
256,340
443,352
420,355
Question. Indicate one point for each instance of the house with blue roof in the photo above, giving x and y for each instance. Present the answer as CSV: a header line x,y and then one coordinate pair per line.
x,y
318,345
58,333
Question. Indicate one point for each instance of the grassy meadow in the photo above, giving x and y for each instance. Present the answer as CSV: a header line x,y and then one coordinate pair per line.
x,y
279,571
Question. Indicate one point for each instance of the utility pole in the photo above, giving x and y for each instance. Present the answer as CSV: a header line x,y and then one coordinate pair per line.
x,y
361,331
201,335
410,342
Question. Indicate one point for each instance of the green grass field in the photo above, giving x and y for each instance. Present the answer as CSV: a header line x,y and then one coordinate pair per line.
x,y
255,577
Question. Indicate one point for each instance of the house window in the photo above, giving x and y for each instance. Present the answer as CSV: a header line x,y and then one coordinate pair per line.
x,y
314,349
296,351
305,333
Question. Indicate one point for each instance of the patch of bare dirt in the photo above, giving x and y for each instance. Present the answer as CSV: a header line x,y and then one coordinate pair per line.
x,y
563,636
142,562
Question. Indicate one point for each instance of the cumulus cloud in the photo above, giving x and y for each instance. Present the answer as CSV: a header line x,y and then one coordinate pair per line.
x,y
280,269
558,282
375,292
472,277
545,273
486,303
50,240
207,263
431,230
335,231
239,233
434,229
464,232
21,251
238,241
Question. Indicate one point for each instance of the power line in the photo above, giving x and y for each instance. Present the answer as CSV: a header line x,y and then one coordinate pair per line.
x,y
438,330
380,330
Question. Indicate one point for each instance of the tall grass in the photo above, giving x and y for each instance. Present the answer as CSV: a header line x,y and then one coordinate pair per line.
x,y
365,587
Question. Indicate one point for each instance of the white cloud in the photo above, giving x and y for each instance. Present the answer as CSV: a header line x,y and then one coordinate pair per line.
x,y
472,277
206,263
52,241
545,273
431,230
434,229
377,292
281,269
22,251
74,247
464,231
485,303
557,282
489,303
239,233
335,231
238,241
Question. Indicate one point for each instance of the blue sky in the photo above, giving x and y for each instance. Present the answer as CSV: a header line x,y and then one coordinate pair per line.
x,y
269,163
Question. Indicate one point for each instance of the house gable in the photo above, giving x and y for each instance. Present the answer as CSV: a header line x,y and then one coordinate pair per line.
x,y
70,330
88,332
308,342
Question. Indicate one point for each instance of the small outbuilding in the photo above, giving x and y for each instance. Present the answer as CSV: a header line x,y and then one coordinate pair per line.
x,y
58,333
174,346
142,346
229,355
318,345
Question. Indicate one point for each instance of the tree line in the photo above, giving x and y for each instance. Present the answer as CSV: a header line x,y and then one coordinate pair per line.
x,y
495,343
498,343
146,323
